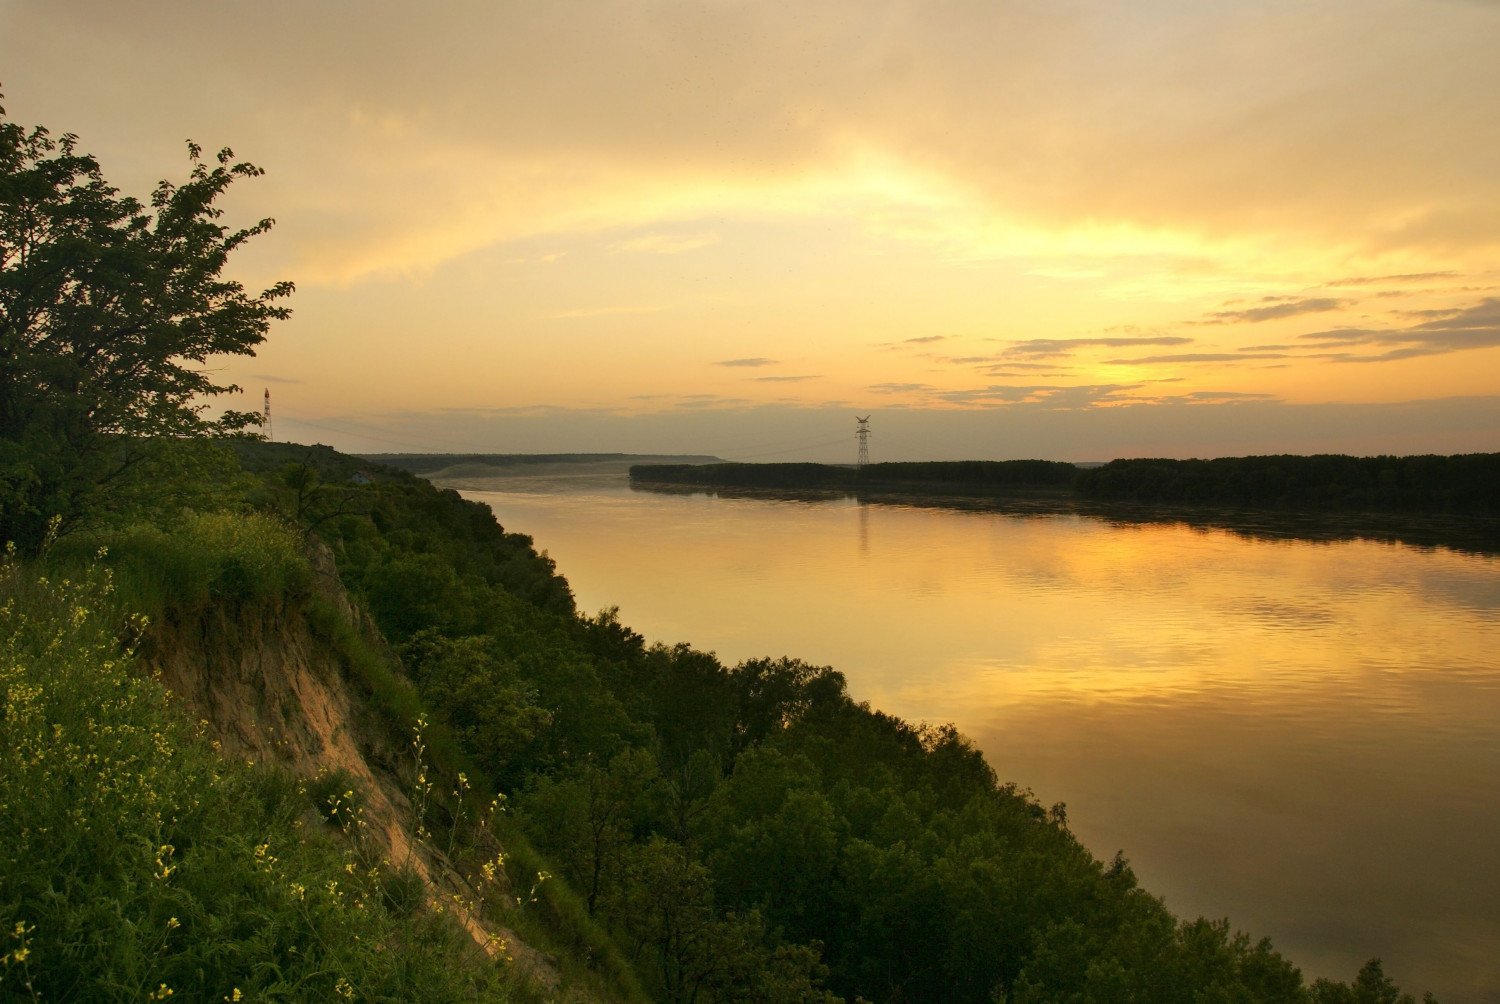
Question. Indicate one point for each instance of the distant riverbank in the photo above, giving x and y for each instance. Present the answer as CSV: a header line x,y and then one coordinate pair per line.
x,y
1425,501
1468,483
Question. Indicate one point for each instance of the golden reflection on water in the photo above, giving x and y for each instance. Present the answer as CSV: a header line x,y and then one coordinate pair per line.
x,y
1301,736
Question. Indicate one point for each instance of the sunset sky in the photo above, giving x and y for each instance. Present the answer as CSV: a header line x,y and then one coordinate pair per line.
x,y
1073,230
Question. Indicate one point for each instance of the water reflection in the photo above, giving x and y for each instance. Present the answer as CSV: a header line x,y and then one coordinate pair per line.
x,y
1471,533
1340,826
1298,735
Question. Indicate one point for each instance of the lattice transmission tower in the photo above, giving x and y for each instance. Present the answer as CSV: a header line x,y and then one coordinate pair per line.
x,y
862,435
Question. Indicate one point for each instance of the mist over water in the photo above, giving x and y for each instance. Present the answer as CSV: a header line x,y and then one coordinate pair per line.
x,y
1299,735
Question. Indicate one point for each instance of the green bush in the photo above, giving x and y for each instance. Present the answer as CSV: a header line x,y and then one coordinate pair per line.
x,y
402,890
337,795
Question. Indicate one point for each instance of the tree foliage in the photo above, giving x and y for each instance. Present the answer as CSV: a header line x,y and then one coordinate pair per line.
x,y
109,310
1465,483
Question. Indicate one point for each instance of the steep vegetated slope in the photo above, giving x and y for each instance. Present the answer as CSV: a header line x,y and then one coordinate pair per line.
x,y
750,832
269,681
674,829
142,857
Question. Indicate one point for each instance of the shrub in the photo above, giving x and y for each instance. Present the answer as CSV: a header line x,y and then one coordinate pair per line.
x,y
402,890
336,795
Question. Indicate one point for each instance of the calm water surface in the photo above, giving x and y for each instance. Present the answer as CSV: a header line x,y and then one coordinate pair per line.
x,y
1301,736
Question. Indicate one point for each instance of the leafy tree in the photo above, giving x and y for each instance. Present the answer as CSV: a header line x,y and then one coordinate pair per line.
x,y
693,953
109,309
686,790
590,819
772,842
492,712
679,937
1371,986
311,501
410,592
773,694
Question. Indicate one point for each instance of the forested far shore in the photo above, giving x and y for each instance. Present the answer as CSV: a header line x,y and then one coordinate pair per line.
x,y
1430,484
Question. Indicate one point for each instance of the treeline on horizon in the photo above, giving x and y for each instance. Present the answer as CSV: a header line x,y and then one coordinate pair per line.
x,y
1464,483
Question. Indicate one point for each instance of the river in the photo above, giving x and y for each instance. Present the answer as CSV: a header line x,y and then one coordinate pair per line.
x,y
1300,735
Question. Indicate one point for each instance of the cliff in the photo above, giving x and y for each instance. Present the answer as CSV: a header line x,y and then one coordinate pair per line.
x,y
271,684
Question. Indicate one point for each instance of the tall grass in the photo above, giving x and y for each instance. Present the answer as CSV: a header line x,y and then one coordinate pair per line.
x,y
203,559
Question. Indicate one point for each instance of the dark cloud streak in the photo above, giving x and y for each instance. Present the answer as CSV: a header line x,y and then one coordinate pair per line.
x,y
1196,357
1377,280
1475,327
1276,310
1043,348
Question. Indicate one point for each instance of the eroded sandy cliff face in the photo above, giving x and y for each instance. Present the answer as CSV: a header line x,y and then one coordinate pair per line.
x,y
270,688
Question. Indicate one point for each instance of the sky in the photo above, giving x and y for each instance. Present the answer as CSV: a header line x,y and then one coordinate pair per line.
x,y
1070,229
